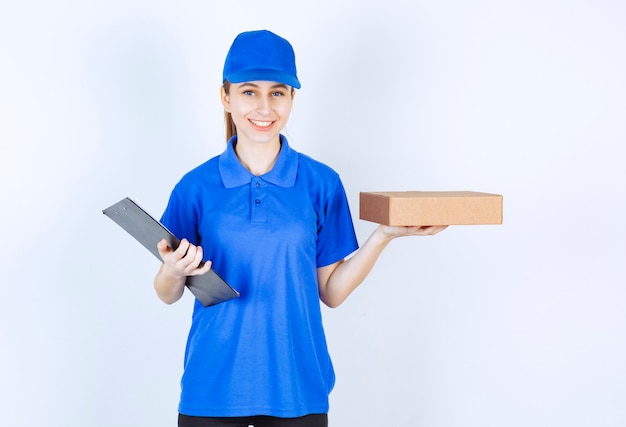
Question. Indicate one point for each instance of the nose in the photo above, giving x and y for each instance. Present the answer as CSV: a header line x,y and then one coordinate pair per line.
x,y
263,105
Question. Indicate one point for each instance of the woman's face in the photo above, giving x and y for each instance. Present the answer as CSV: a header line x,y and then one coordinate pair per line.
x,y
259,109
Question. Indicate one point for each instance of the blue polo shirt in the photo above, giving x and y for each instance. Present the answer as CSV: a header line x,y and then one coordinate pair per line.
x,y
265,352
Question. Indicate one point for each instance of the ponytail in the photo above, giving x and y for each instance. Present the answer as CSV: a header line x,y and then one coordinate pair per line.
x,y
231,129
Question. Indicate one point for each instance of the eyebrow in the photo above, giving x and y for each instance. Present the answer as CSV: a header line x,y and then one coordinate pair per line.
x,y
276,86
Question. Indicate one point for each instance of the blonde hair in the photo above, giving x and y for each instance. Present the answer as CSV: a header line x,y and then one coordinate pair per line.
x,y
231,129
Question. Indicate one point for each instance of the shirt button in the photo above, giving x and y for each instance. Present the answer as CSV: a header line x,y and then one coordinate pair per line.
x,y
257,201
258,184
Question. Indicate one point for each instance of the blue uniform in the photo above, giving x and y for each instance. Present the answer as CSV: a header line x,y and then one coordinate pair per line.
x,y
264,353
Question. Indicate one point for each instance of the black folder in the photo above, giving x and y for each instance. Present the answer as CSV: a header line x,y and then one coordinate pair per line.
x,y
209,288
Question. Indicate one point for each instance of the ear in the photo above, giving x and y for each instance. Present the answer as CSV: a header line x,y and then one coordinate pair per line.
x,y
225,98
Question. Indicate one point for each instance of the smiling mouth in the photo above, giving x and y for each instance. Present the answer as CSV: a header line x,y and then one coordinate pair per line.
x,y
261,124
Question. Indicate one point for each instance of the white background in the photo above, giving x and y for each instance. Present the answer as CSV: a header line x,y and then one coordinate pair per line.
x,y
522,324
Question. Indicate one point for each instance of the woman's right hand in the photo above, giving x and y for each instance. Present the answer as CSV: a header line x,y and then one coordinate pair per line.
x,y
184,261
169,282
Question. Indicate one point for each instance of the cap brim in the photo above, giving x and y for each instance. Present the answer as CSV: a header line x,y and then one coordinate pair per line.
x,y
263,75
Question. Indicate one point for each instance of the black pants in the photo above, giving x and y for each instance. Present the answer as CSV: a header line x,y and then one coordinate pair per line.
x,y
313,420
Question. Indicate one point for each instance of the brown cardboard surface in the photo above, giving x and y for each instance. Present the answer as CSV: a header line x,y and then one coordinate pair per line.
x,y
431,207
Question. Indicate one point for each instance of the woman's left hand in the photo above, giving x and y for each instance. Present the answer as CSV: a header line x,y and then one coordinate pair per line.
x,y
421,230
336,281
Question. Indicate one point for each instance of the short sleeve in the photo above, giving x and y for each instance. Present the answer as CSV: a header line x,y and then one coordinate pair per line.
x,y
178,218
336,235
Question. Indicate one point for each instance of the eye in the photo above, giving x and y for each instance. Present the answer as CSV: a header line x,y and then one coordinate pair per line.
x,y
278,93
248,92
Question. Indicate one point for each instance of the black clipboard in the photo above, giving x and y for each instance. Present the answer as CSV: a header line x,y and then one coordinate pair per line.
x,y
209,288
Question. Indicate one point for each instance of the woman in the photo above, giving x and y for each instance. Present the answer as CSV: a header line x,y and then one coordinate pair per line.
x,y
275,224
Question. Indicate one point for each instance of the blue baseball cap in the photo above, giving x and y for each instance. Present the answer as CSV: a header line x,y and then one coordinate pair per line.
x,y
261,55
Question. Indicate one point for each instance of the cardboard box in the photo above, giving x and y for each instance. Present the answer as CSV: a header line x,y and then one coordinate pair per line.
x,y
431,207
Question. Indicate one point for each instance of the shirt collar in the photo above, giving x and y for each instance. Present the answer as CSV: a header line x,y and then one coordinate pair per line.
x,y
283,174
